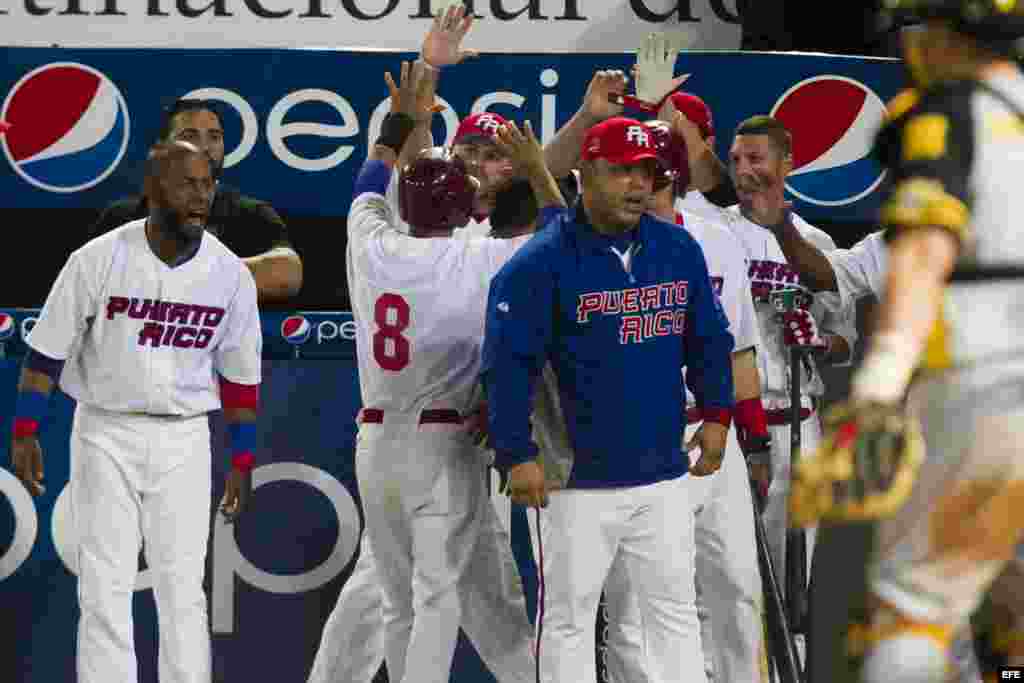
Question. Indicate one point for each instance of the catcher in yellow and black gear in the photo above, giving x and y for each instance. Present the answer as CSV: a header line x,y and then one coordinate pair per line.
x,y
951,317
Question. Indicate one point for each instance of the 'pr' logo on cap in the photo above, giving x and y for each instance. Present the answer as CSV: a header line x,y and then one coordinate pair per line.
x,y
638,136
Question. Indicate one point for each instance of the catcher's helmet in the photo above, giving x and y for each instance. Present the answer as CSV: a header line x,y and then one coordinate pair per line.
x,y
435,193
996,23
673,162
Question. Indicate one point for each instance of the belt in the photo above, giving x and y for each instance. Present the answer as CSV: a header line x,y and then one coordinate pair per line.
x,y
434,416
783,416
164,416
779,416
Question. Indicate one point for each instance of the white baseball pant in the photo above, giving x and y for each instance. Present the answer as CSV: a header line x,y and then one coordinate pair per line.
x,y
644,533
728,581
955,534
141,481
776,514
494,614
424,494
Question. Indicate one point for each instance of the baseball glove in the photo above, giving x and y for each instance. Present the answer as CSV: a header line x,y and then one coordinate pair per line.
x,y
864,469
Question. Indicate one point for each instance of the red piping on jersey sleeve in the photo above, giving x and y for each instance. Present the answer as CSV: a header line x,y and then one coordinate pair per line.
x,y
234,396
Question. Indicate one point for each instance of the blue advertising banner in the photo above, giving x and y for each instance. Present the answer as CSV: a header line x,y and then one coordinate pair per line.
x,y
297,121
272,580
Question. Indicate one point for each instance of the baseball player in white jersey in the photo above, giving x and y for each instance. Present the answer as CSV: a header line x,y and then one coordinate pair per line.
x,y
950,313
760,160
494,606
419,352
138,327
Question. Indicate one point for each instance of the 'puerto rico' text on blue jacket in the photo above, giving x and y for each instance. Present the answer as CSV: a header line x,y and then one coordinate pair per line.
x,y
616,337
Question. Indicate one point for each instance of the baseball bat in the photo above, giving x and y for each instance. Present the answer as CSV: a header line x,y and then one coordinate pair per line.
x,y
781,645
796,539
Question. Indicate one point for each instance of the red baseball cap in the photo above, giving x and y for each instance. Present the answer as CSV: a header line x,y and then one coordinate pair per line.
x,y
695,109
619,140
485,125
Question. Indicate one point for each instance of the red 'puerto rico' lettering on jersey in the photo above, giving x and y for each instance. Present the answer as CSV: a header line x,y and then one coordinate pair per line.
x,y
646,312
769,276
181,325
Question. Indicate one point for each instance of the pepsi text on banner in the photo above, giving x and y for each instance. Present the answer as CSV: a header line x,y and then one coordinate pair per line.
x,y
296,128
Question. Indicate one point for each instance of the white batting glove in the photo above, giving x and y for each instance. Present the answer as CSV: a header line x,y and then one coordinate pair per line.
x,y
655,63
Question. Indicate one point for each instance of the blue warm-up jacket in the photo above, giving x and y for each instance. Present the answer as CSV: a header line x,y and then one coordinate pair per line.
x,y
616,340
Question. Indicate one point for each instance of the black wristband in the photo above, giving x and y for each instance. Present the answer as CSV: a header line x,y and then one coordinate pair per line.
x,y
395,130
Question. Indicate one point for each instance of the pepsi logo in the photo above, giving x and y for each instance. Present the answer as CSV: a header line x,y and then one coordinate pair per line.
x,y
833,120
295,329
71,147
6,326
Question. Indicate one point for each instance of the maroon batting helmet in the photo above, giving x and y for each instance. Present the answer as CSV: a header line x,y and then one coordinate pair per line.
x,y
673,161
435,193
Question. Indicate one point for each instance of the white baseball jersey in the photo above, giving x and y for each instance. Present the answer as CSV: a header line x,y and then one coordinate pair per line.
x,y
695,203
860,270
768,270
419,306
141,336
728,269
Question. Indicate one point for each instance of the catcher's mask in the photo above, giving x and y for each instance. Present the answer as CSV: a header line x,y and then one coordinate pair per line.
x,y
435,193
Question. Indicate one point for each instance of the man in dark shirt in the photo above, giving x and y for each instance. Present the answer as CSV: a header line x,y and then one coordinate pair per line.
x,y
249,227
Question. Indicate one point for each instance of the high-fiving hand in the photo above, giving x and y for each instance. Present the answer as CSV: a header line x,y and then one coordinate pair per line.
x,y
655,64
442,44
414,93
603,98
521,146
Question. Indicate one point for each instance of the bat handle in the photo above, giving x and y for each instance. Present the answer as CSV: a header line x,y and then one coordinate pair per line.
x,y
795,357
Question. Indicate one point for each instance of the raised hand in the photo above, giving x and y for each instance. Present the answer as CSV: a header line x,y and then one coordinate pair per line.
x,y
442,44
603,98
655,63
521,146
414,93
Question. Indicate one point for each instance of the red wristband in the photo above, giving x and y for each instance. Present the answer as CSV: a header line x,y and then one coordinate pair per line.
x,y
722,416
631,102
25,427
243,462
234,395
750,417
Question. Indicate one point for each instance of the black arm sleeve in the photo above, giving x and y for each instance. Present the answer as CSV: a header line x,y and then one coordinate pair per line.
x,y
258,228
